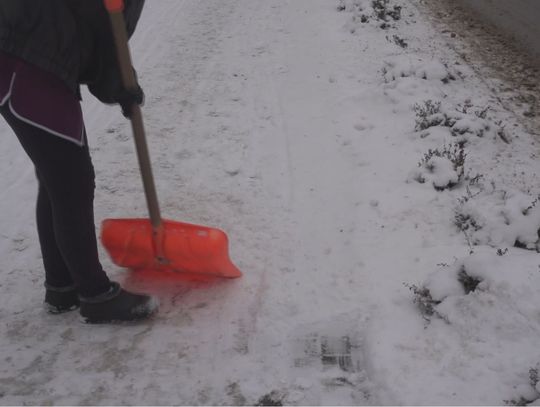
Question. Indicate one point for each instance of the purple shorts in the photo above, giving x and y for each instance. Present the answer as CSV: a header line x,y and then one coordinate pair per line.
x,y
40,99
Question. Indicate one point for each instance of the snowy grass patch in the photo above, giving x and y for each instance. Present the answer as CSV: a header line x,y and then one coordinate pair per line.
x,y
487,301
410,78
380,13
505,279
403,66
500,218
466,123
442,168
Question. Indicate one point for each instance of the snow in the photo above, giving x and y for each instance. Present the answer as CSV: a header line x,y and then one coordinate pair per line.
x,y
402,66
301,128
439,171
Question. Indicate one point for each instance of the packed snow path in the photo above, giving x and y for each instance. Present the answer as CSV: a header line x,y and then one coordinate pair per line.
x,y
269,120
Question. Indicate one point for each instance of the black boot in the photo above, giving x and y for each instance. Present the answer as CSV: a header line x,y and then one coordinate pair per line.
x,y
61,299
117,305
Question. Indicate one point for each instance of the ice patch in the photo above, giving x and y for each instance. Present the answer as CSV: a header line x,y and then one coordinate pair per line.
x,y
331,352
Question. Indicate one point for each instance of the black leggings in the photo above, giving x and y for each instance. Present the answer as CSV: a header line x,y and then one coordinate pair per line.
x,y
65,208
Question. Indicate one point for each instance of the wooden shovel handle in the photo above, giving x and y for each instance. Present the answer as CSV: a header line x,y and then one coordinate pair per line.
x,y
115,9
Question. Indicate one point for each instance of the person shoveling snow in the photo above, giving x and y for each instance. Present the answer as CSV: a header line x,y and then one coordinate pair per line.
x,y
47,50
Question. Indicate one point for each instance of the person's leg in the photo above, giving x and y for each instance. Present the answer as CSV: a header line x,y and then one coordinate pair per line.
x,y
61,293
57,274
67,230
66,178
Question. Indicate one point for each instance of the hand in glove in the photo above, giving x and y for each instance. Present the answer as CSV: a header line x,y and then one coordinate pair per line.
x,y
130,97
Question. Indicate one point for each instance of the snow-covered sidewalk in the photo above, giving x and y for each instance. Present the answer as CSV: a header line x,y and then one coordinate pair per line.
x,y
380,200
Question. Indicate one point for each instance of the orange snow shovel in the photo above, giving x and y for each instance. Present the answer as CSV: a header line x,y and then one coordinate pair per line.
x,y
156,244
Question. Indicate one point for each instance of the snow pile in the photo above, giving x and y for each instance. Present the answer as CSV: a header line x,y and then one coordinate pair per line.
x,y
500,218
422,83
488,301
442,169
410,77
462,123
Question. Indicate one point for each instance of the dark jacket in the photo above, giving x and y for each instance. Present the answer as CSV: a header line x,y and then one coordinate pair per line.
x,y
71,39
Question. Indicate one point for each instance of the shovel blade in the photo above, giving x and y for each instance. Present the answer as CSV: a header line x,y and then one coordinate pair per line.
x,y
187,248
